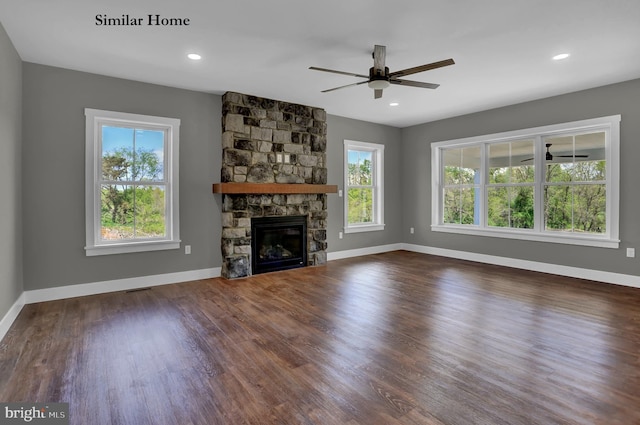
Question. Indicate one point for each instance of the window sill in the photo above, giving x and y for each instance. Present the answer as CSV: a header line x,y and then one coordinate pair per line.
x,y
123,248
569,239
364,228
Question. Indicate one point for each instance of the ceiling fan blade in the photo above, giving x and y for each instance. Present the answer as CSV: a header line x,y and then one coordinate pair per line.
x,y
559,156
343,87
338,72
421,68
414,84
379,57
377,93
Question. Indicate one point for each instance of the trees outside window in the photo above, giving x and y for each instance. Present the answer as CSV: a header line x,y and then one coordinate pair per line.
x,y
132,187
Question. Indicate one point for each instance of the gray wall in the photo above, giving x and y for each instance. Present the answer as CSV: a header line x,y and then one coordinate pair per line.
x,y
53,175
622,98
339,129
10,174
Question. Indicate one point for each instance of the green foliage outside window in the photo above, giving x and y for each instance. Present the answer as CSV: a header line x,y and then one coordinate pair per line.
x,y
360,192
130,210
574,197
579,205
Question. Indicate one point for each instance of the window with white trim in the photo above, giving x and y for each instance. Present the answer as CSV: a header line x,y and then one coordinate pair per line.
x,y
131,183
557,183
364,199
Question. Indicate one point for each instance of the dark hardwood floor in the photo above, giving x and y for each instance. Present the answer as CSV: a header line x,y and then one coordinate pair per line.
x,y
395,338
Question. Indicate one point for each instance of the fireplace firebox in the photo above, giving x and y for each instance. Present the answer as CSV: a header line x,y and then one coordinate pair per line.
x,y
278,243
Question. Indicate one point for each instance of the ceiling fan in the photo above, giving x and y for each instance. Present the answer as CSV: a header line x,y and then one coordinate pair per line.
x,y
380,78
549,157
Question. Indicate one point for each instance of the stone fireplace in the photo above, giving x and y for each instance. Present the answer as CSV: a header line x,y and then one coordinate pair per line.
x,y
271,148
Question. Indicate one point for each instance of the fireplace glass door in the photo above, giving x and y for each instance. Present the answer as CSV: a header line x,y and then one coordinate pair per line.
x,y
278,243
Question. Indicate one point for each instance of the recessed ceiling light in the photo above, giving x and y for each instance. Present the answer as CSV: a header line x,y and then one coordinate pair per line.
x,y
560,56
394,104
194,56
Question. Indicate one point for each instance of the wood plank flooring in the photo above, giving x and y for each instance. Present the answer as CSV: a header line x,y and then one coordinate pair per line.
x,y
395,338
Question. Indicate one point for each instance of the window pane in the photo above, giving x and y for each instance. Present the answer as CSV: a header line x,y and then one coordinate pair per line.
x,y
589,211
132,154
468,205
117,212
577,208
498,207
451,213
129,212
459,205
511,162
582,157
360,168
149,212
117,153
451,160
360,206
521,207
470,166
558,208
590,157
148,163
461,166
559,151
510,207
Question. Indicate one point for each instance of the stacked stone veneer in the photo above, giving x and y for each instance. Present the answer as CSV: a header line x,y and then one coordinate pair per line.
x,y
256,132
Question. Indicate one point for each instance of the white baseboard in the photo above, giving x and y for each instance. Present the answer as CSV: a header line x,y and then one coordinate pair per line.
x,y
577,272
339,255
70,291
11,316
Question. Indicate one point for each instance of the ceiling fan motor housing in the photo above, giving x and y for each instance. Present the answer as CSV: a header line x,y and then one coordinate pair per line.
x,y
377,80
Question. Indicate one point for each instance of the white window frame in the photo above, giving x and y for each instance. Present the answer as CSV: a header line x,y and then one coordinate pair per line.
x,y
377,156
610,125
94,119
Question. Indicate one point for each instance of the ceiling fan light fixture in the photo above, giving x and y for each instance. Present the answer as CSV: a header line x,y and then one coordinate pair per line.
x,y
378,84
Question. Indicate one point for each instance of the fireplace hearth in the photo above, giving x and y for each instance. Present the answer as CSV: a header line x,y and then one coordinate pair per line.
x,y
278,243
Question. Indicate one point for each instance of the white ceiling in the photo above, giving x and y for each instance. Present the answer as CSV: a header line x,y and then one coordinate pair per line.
x,y
502,48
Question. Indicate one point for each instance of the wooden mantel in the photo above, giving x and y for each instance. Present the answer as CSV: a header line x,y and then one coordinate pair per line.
x,y
263,188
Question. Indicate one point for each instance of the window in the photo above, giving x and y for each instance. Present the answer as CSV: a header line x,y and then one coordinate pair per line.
x,y
131,183
364,186
556,183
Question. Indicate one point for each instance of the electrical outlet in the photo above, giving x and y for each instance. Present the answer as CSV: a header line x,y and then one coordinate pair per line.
x,y
412,230
187,249
287,158
340,235
631,252
278,157
340,193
